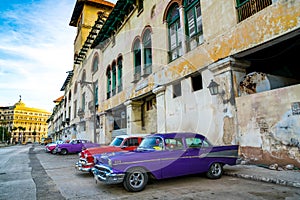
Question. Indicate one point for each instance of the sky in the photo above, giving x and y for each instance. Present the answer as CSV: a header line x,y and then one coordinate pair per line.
x,y
36,50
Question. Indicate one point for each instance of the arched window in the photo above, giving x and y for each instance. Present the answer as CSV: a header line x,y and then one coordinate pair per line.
x,y
95,63
137,56
193,23
108,77
83,101
175,37
114,78
147,51
96,93
120,66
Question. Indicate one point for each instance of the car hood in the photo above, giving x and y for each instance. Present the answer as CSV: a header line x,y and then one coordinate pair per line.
x,y
102,149
119,157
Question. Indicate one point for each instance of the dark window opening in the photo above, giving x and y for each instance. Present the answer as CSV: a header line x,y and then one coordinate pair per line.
x,y
197,82
278,61
177,90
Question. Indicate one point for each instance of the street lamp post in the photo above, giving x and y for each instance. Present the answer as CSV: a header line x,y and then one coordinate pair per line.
x,y
92,90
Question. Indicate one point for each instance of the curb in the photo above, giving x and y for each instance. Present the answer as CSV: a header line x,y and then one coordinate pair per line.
x,y
264,179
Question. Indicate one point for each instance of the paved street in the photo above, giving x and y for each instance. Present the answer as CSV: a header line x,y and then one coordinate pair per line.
x,y
27,172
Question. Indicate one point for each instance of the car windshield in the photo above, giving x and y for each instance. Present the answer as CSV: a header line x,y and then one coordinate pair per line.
x,y
116,142
151,143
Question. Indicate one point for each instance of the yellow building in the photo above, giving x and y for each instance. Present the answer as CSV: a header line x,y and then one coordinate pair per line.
x,y
24,123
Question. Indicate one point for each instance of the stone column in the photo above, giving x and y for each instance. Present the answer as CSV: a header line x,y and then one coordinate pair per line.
x,y
161,108
102,128
134,121
182,25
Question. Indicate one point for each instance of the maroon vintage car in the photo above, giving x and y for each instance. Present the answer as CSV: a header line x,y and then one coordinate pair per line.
x,y
119,143
164,156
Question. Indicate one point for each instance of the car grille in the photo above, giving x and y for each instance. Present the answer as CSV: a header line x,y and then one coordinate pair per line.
x,y
102,171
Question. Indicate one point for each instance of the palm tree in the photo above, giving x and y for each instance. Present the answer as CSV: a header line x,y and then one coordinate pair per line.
x,y
21,129
13,130
3,125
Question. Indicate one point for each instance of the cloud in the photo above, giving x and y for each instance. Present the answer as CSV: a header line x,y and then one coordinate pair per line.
x,y
36,49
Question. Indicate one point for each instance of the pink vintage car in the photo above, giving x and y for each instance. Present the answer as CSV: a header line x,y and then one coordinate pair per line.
x,y
120,143
51,146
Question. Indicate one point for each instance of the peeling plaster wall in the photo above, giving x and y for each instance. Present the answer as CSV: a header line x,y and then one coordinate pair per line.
x,y
269,122
194,111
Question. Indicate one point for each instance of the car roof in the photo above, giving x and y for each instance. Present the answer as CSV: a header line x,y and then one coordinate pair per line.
x,y
178,135
131,135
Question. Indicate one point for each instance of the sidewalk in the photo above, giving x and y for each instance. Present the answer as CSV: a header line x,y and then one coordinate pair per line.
x,y
253,172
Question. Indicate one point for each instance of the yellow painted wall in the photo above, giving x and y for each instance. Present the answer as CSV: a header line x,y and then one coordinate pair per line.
x,y
33,120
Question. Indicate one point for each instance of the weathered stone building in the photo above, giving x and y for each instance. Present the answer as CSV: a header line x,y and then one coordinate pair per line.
x,y
150,65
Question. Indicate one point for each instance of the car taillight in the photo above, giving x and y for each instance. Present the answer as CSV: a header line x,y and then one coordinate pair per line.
x,y
90,159
81,154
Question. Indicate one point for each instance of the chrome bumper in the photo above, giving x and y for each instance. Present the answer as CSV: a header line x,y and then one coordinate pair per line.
x,y
106,175
84,167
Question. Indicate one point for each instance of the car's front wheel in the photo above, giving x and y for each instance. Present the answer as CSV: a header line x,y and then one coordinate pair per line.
x,y
135,179
64,152
215,171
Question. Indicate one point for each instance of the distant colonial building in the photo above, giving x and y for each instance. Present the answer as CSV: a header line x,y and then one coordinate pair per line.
x,y
24,123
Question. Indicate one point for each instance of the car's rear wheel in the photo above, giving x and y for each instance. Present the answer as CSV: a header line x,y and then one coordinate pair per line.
x,y
215,171
64,152
135,179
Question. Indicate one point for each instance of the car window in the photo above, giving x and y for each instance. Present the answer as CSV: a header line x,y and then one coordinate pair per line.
x,y
205,143
193,142
173,143
116,142
151,143
73,142
133,142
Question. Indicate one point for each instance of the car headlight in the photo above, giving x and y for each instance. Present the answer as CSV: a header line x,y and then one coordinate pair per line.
x,y
109,162
95,160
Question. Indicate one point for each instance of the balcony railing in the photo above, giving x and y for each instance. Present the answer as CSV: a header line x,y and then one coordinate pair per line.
x,y
250,7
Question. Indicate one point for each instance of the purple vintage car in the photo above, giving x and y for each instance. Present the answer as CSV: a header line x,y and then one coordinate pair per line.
x,y
164,156
74,146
